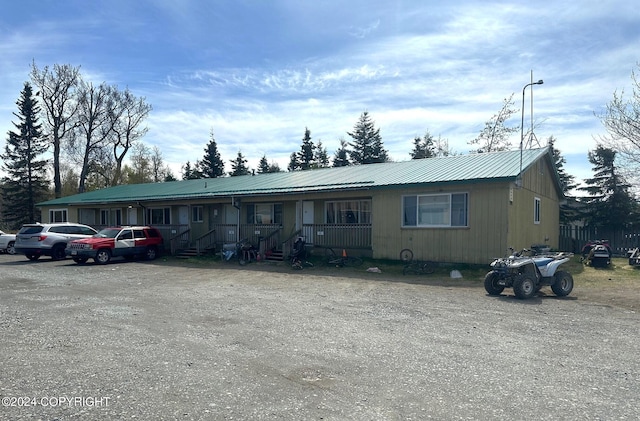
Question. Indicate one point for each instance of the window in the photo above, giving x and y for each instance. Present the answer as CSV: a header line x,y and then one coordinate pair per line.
x,y
264,213
58,215
111,217
196,214
104,216
436,210
536,210
159,216
348,212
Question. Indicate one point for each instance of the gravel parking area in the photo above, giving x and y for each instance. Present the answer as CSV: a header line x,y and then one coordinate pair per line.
x,y
156,340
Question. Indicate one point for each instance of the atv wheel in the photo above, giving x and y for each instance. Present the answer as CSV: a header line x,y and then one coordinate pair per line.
x,y
491,283
80,260
563,284
524,286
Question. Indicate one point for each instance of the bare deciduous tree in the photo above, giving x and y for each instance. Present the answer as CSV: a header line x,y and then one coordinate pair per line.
x,y
129,113
56,89
495,134
621,118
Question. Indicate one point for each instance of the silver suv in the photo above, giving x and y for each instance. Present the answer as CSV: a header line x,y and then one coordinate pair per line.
x,y
35,240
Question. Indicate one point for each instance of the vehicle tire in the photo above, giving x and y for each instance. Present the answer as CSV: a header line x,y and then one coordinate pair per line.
x,y
33,257
491,283
524,286
80,260
151,253
57,253
563,284
351,261
406,255
103,256
11,248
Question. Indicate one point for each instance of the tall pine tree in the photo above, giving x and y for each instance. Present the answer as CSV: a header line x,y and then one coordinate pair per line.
x,y
25,183
567,212
423,147
367,142
341,156
212,165
239,165
609,203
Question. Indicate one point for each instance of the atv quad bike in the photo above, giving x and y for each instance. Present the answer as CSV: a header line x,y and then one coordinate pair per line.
x,y
528,274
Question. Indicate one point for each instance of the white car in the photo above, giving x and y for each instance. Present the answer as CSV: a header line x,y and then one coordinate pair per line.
x,y
7,243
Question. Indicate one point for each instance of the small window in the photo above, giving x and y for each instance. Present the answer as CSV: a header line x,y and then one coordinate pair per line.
x,y
58,215
196,214
536,210
138,234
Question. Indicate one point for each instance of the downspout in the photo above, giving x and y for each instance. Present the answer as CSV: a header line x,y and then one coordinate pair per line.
x,y
144,213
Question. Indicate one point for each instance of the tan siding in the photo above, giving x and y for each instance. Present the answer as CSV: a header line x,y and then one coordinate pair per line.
x,y
537,182
483,239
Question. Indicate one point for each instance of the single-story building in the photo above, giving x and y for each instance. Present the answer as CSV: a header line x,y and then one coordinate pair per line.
x,y
465,208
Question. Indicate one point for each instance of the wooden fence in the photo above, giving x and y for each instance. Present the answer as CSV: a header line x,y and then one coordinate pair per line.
x,y
574,238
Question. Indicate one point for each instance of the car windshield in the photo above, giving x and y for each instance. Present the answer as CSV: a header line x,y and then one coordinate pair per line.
x,y
108,233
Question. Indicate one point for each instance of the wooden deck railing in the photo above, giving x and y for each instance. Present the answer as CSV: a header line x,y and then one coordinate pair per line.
x,y
206,242
338,235
179,241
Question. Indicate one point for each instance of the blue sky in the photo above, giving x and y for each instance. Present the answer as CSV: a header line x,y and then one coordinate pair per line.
x,y
258,72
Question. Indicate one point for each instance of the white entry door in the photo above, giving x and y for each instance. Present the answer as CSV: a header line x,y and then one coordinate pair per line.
x,y
307,221
132,216
183,215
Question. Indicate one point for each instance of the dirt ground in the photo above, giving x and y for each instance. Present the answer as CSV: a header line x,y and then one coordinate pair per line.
x,y
199,339
615,286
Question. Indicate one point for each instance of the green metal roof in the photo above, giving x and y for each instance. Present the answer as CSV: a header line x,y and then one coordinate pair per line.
x,y
452,169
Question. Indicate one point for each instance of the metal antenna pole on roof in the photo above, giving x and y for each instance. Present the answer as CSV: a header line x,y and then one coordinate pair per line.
x,y
540,82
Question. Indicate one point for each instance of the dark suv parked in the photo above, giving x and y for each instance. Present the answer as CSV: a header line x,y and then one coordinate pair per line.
x,y
35,240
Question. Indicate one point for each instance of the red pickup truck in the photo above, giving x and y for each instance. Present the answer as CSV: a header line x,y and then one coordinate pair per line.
x,y
127,242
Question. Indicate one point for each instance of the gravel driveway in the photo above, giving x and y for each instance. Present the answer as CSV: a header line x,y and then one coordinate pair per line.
x,y
137,340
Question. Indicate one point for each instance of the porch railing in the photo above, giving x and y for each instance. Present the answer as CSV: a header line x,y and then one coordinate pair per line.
x,y
206,242
254,233
338,235
179,241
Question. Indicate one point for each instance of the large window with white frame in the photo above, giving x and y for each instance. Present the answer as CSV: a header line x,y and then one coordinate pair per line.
x,y
159,216
58,215
264,213
348,211
435,210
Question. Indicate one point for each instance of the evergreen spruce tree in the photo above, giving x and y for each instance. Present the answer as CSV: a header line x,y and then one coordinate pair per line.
x,y
212,165
294,163
264,167
189,172
321,158
25,183
306,156
567,213
341,156
367,145
609,203
239,166
423,147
